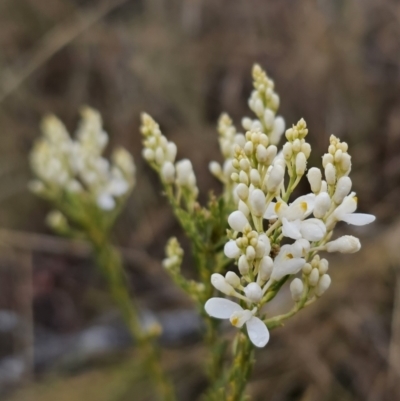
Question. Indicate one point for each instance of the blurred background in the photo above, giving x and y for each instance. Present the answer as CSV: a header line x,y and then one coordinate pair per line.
x,y
335,63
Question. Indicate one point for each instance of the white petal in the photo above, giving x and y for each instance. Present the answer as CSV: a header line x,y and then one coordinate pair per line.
x,y
288,266
312,229
291,229
358,219
237,220
231,250
221,308
309,199
263,238
258,332
270,212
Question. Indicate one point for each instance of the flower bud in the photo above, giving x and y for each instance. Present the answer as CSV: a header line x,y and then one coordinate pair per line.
x,y
272,150
306,149
313,277
219,282
244,208
215,169
322,205
255,177
296,289
275,178
296,145
231,250
242,191
330,174
266,267
307,268
345,162
168,173
243,265
345,244
248,148
253,292
171,152
246,123
287,150
233,279
243,178
323,266
269,119
343,188
323,284
250,253
314,177
326,159
238,221
259,107
184,172
257,202
301,163
148,154
159,156
261,153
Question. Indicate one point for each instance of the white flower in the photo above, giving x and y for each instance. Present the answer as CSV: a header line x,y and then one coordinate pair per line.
x,y
310,229
288,261
345,244
301,208
221,308
345,212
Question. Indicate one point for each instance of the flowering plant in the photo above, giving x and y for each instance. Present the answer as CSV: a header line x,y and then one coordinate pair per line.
x,y
246,243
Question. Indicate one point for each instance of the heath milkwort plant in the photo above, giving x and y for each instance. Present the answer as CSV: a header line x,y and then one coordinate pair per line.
x,y
88,192
269,236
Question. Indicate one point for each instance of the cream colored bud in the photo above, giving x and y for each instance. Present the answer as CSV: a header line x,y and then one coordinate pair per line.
x,y
171,152
324,186
272,150
266,267
168,173
322,205
244,208
233,279
345,244
237,221
323,284
338,156
269,118
148,154
313,277
330,174
274,101
289,134
246,123
326,159
219,282
323,266
301,163
243,265
215,169
264,140
287,150
307,268
240,140
255,178
250,253
248,148
259,107
314,177
296,144
242,191
253,292
343,188
261,154
244,164
235,177
159,156
257,202
345,163
243,178
296,289
275,178
306,149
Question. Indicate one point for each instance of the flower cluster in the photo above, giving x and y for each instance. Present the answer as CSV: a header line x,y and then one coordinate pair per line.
x,y
76,166
272,239
161,154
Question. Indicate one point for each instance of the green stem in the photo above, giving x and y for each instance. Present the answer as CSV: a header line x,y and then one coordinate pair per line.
x,y
110,263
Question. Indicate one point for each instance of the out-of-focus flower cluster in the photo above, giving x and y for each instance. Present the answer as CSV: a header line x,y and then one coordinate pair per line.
x,y
161,154
63,164
272,239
